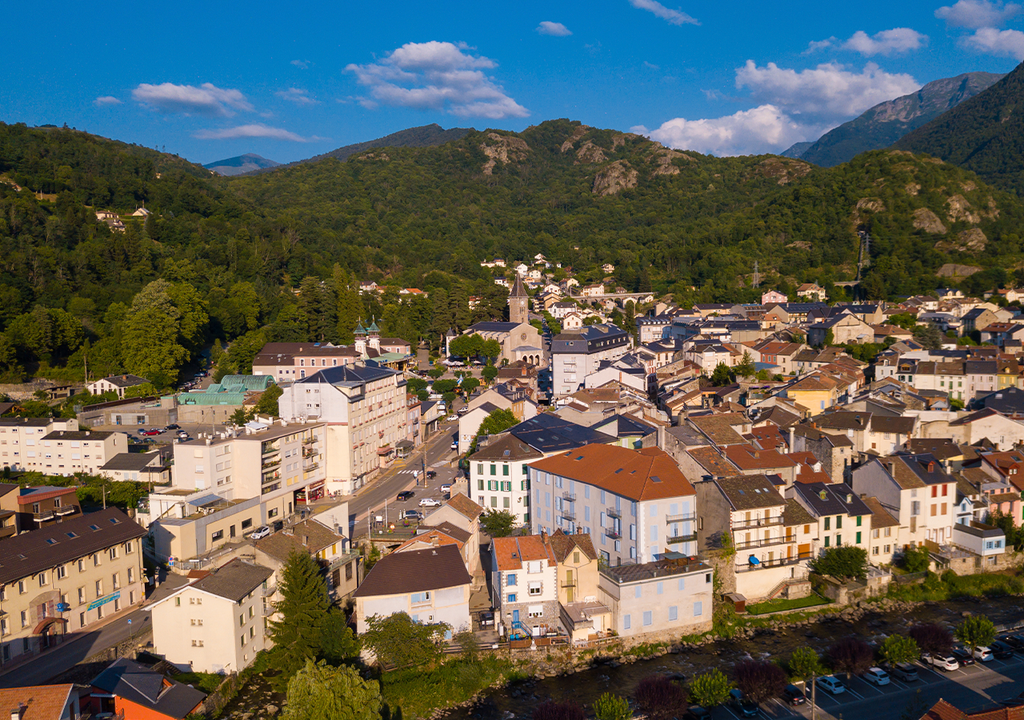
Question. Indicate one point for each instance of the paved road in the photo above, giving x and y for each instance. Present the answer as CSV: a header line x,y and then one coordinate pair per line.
x,y
970,689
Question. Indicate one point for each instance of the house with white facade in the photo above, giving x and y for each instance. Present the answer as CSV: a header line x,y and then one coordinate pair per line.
x,y
116,384
843,517
578,353
524,585
670,595
498,477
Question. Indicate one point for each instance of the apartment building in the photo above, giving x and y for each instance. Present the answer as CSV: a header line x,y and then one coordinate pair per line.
x,y
663,596
363,407
66,452
31,508
498,476
58,581
218,623
287,362
578,353
21,439
637,503
842,517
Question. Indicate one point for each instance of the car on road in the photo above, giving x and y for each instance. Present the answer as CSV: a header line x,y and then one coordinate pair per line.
x,y
793,695
1001,650
740,703
941,661
149,433
463,410
430,502
414,515
963,655
903,671
831,683
983,654
259,533
446,489
455,445
876,676
431,474
174,426
405,495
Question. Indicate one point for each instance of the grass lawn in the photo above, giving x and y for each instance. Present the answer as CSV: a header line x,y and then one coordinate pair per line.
x,y
811,600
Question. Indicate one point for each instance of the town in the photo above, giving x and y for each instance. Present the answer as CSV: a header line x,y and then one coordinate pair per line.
x,y
550,481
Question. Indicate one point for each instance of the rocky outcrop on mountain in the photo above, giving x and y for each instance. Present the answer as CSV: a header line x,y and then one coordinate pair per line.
x,y
783,170
503,149
925,219
614,178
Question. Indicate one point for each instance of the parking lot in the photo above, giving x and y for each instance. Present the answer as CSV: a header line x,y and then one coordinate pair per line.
x,y
970,688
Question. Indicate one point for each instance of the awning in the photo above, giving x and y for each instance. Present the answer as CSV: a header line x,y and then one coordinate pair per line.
x,y
47,622
385,450
753,560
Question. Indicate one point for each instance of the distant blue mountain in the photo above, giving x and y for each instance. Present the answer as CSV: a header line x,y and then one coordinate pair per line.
x,y
241,164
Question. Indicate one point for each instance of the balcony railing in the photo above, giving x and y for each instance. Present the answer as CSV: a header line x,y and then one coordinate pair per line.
x,y
775,562
764,542
310,440
310,467
271,464
569,496
758,522
66,510
612,512
682,539
680,518
613,534
43,516
568,514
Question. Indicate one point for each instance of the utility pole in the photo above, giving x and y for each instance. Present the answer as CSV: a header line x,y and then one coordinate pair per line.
x,y
814,698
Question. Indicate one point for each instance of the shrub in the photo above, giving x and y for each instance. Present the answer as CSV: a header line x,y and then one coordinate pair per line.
x,y
612,707
932,638
846,562
899,649
660,698
710,689
915,559
804,662
851,656
760,681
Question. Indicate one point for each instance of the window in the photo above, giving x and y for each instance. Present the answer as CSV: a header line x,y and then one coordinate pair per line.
x,y
827,541
197,643
945,490
859,518
858,538
421,598
839,522
113,553
177,601
536,588
196,622
698,609
217,535
839,540
681,584
935,509
874,550
511,578
131,575
252,611
116,581
42,579
81,595
648,617
935,490
99,588
241,640
661,587
673,612
24,619
504,470
241,620
638,592
828,523
874,533
195,601
252,631
626,622
512,597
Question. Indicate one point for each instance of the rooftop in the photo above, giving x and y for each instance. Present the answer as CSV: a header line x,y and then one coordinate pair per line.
x,y
41,702
234,580
647,474
622,574
750,492
415,571
139,684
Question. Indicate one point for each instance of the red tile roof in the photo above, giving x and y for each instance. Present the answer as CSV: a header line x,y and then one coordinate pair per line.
x,y
510,552
648,474
43,702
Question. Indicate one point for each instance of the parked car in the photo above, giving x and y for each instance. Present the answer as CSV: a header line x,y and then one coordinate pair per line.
x,y
1014,641
983,654
414,515
149,433
940,661
259,533
876,676
174,426
744,706
455,444
1001,650
904,671
963,655
430,502
405,495
831,683
486,619
431,474
446,489
696,712
793,695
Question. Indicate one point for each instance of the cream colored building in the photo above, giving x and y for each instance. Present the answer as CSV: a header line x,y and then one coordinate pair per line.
x,y
216,624
59,581
364,409
21,438
66,452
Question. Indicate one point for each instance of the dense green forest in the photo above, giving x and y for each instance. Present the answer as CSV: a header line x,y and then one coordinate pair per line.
x,y
278,256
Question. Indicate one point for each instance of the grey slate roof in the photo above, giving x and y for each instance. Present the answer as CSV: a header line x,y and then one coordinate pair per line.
x,y
136,683
349,374
549,433
831,499
234,580
415,571
747,492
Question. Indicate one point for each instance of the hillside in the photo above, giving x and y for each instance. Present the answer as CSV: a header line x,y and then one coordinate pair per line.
x,y
984,134
887,122
241,164
423,136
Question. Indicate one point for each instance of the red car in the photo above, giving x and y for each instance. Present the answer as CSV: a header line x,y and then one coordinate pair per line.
x,y
149,433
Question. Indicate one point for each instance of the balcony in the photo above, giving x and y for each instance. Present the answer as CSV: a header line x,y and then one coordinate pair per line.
x,y
569,496
756,523
613,534
271,464
764,542
270,449
682,539
310,440
310,467
776,562
44,516
308,452
687,517
66,510
612,512
568,514
271,477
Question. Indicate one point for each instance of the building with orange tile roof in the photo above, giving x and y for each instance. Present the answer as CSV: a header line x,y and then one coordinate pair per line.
x,y
638,504
41,702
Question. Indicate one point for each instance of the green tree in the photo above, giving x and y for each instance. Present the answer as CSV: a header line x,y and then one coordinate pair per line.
x,y
899,649
398,641
267,404
489,373
975,631
319,691
804,663
498,523
710,689
850,655
497,422
469,385
610,706
306,617
846,562
916,559
722,375
491,349
746,366
150,342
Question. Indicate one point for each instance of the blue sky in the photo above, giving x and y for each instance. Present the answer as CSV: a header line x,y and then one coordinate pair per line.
x,y
210,80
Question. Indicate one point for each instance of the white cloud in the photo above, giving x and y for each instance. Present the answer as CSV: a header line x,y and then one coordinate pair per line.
x,y
257,130
676,17
207,99
977,14
815,45
436,76
297,96
106,100
826,94
997,42
552,28
651,66
761,129
887,42
301,64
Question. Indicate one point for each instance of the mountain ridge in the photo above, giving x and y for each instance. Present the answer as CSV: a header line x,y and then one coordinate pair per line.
x,y
241,164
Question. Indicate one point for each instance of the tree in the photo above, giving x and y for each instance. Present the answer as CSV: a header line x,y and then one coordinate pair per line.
x,y
710,688
660,698
321,692
746,367
497,422
722,375
267,404
760,681
498,523
397,641
928,335
489,373
150,344
609,706
306,617
554,710
491,349
851,655
932,638
804,663
469,384
899,649
975,631
846,562
916,559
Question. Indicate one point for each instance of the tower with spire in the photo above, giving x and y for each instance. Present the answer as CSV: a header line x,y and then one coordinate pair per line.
x,y
518,302
360,343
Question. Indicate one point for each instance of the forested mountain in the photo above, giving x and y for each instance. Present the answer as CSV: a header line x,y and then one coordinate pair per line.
x,y
278,255
423,136
887,122
241,164
984,134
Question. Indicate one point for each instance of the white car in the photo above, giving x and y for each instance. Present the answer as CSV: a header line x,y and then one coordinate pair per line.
x,y
876,676
430,502
455,444
446,489
942,662
831,683
260,533
983,654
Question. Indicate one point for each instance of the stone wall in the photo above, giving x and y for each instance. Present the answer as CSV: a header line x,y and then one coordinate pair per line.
x,y
975,564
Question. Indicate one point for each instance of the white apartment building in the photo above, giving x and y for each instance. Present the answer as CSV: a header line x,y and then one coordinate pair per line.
x,y
218,623
637,504
498,477
667,595
21,439
524,584
363,408
66,452
576,354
